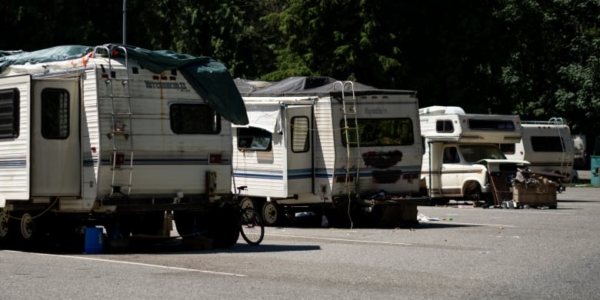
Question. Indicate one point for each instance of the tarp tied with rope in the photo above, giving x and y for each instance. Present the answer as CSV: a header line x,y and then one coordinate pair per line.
x,y
209,78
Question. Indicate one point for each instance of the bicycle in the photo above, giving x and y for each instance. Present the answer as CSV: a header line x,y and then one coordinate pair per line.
x,y
251,225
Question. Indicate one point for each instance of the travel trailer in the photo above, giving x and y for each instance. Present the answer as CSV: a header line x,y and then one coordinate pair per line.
x,y
461,154
546,145
314,143
117,137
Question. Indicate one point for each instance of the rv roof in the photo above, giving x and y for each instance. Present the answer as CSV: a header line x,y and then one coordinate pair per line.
x,y
442,110
209,78
309,86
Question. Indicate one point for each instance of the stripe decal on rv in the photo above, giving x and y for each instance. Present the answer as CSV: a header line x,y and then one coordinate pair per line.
x,y
166,162
13,163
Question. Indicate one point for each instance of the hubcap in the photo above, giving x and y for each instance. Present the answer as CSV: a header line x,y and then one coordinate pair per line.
x,y
26,226
3,224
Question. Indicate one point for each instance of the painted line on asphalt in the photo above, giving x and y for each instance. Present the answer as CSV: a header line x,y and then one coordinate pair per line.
x,y
142,264
472,224
338,240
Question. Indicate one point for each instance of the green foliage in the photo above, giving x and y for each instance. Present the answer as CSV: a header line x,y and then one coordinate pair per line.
x,y
537,58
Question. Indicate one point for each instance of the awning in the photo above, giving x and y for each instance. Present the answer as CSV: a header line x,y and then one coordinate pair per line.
x,y
263,116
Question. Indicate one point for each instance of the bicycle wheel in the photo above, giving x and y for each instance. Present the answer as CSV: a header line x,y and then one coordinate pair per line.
x,y
252,228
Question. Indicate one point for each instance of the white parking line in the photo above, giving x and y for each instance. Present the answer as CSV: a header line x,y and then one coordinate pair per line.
x,y
142,264
338,240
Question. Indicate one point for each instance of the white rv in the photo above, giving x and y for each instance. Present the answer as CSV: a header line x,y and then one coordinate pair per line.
x,y
115,136
546,145
461,153
310,146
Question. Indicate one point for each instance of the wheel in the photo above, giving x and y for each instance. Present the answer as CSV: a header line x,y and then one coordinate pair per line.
x,y
186,223
271,213
7,228
473,192
27,226
223,226
247,202
252,228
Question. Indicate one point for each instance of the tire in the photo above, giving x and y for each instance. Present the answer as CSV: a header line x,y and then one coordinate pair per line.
x,y
8,227
251,227
472,192
271,213
186,223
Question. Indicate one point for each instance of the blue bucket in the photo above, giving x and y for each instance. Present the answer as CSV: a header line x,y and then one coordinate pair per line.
x,y
94,240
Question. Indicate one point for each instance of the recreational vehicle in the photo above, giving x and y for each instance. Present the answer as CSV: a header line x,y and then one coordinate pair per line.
x,y
314,143
546,145
461,153
115,136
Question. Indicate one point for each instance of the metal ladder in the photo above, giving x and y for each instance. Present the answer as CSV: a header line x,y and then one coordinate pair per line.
x,y
121,120
350,128
560,121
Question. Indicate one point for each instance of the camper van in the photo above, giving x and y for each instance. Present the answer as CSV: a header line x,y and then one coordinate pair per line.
x,y
117,137
314,143
546,145
461,151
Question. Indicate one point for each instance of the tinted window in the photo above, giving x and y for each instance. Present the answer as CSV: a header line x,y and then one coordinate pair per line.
x,y
55,114
9,113
194,119
380,132
254,139
300,134
444,126
491,125
507,148
547,144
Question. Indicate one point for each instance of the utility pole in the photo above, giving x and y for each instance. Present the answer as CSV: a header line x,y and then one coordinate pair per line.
x,y
124,22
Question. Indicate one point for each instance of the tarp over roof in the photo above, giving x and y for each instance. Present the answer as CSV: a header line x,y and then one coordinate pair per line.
x,y
209,78
309,86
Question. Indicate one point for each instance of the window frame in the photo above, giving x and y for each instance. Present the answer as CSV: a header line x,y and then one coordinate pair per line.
x,y
378,121
64,114
306,137
177,125
444,123
14,116
251,133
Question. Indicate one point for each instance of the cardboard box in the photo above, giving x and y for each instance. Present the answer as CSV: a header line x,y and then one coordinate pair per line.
x,y
542,194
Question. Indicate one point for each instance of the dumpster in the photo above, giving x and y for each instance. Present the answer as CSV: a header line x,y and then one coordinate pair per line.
x,y
595,174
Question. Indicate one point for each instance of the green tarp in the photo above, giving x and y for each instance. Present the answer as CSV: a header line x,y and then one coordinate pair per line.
x,y
209,78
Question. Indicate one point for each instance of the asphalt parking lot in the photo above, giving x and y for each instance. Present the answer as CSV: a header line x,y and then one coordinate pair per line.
x,y
462,252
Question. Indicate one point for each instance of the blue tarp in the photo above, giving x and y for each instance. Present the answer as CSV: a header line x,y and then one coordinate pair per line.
x,y
209,78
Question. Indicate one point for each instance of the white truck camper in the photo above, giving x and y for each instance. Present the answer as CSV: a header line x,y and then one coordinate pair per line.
x,y
546,145
342,150
462,159
117,137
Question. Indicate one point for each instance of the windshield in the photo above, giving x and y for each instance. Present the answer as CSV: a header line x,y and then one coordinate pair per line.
x,y
474,153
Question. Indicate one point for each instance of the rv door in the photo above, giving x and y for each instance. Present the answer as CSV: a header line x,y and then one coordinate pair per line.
x,y
55,142
298,135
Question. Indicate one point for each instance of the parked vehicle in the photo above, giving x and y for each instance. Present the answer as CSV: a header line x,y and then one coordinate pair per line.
x,y
546,145
460,147
116,136
314,143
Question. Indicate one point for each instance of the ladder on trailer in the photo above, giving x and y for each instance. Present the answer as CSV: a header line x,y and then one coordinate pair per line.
x,y
121,134
352,136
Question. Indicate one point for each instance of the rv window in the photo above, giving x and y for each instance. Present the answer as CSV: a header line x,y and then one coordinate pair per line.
x,y
55,114
380,132
300,134
253,139
547,144
474,153
194,119
507,148
9,113
444,126
491,125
